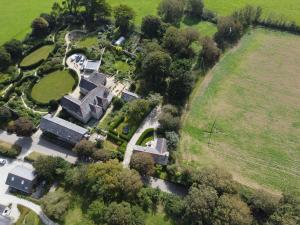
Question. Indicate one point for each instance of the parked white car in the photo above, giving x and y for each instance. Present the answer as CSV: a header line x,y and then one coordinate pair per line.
x,y
3,162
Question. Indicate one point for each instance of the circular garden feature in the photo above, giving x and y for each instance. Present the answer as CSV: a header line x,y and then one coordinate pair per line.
x,y
53,86
36,56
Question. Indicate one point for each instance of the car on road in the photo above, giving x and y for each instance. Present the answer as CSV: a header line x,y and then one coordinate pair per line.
x,y
3,162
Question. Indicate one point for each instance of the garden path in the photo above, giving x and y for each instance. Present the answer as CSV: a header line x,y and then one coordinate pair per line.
x,y
27,107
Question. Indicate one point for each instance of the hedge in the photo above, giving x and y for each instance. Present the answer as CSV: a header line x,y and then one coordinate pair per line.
x,y
115,139
8,150
145,134
76,50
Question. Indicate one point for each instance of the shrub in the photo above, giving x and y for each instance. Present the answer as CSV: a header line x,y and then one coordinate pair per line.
x,y
147,133
8,150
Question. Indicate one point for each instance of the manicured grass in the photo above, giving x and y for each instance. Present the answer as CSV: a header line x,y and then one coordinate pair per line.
x,y
247,119
16,17
110,146
88,42
286,9
122,67
37,55
53,86
33,156
142,7
9,150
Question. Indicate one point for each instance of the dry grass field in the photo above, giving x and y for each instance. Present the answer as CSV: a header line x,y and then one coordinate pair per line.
x,y
245,116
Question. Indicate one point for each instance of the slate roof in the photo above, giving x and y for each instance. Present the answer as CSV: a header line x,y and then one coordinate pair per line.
x,y
89,82
21,178
160,148
129,96
92,65
99,96
4,220
62,128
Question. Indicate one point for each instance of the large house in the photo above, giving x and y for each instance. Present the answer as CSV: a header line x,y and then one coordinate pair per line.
x,y
62,129
159,151
90,82
21,179
92,105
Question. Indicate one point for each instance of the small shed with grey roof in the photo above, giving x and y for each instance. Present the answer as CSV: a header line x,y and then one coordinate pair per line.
x,y
62,129
159,151
22,179
89,82
129,96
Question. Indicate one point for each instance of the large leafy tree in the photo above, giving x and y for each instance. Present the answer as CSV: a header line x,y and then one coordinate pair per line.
x,y
124,16
231,210
152,26
5,114
171,11
40,27
5,59
143,163
210,53
23,127
195,8
14,48
200,204
96,9
85,149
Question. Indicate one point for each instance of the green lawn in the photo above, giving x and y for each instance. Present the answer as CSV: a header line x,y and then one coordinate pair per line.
x,y
27,217
16,17
204,28
88,42
248,118
289,9
53,86
122,67
37,55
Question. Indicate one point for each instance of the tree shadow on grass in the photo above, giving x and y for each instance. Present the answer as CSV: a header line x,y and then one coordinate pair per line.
x,y
189,21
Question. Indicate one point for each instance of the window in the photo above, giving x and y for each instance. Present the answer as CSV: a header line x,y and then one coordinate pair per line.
x,y
12,178
22,182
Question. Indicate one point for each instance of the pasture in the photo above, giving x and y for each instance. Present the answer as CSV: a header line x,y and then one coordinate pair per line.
x,y
16,17
37,55
276,8
245,116
53,86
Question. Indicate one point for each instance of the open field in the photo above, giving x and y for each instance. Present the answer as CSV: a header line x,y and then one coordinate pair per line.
x,y
276,8
37,55
16,16
88,42
53,86
247,119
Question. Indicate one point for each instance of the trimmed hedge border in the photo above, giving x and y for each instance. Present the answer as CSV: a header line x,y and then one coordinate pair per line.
x,y
145,134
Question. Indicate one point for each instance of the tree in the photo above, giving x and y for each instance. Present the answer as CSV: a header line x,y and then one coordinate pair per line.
x,y
111,181
195,8
155,70
148,198
84,149
96,211
200,204
172,140
23,127
217,178
96,9
248,15
180,87
5,59
175,207
232,211
40,27
15,49
169,119
124,214
124,16
179,41
55,204
102,155
72,6
152,27
50,19
118,103
143,163
229,31
5,115
262,205
76,177
50,168
171,11
210,53
137,110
